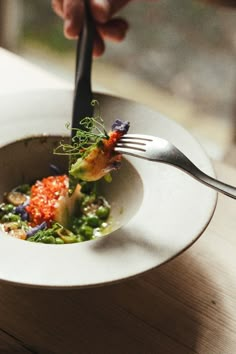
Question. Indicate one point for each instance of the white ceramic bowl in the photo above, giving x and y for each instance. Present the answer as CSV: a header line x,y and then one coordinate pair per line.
x,y
163,210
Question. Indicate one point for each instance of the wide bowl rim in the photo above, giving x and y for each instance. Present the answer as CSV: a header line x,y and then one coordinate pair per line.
x,y
138,270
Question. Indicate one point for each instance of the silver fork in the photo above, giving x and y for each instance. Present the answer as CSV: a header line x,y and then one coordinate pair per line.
x,y
157,149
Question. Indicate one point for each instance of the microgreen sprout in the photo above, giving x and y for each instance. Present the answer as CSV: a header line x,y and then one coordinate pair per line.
x,y
91,133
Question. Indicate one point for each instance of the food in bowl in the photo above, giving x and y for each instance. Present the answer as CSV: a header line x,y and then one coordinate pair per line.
x,y
92,149
45,213
65,208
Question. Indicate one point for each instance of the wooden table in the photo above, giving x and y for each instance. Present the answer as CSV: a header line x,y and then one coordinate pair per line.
x,y
186,306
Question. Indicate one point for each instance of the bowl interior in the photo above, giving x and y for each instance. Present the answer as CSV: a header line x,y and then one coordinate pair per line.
x,y
26,160
162,211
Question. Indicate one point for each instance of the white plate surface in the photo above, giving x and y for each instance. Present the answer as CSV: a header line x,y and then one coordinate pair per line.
x,y
175,208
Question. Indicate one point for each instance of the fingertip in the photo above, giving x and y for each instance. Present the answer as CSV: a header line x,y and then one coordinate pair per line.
x,y
57,6
114,30
99,46
101,10
73,18
70,31
122,28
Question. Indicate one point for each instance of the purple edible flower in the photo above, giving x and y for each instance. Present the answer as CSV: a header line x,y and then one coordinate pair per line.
x,y
120,126
35,229
24,216
20,209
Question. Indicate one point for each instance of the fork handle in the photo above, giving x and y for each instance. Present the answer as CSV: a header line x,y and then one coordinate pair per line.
x,y
219,186
182,162
83,95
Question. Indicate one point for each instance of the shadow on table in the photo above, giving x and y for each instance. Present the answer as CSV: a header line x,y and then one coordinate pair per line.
x,y
166,310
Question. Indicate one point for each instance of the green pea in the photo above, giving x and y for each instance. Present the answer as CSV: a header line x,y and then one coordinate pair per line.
x,y
5,218
88,199
48,239
93,221
77,222
75,229
59,241
86,231
103,212
10,217
8,208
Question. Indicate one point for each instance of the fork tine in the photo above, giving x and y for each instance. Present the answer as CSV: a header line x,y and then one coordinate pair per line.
x,y
131,151
132,141
139,147
137,137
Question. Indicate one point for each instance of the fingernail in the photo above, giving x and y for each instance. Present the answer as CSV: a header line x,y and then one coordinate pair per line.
x,y
68,28
67,23
101,10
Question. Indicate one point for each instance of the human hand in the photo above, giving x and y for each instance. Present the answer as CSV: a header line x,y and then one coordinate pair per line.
x,y
107,27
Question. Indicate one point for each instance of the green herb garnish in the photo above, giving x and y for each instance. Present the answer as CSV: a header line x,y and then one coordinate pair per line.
x,y
90,135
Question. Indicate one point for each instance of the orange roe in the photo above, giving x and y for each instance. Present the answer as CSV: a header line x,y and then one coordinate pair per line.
x,y
44,198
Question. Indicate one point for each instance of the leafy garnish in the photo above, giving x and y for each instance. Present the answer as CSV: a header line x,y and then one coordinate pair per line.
x,y
90,135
